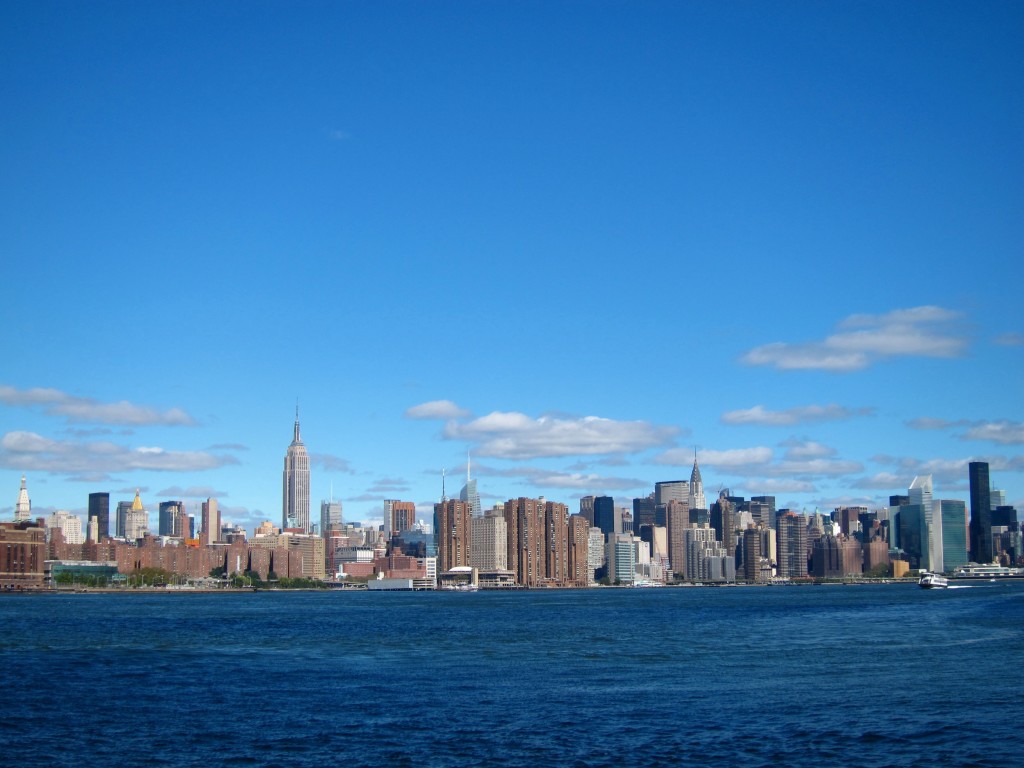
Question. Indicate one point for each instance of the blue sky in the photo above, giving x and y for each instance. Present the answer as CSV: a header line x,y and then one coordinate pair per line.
x,y
580,240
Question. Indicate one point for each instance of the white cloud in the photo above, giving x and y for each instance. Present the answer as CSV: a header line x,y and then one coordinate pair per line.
x,y
436,409
759,415
192,492
807,449
331,463
580,481
90,411
1003,432
511,435
30,451
734,458
1010,340
868,339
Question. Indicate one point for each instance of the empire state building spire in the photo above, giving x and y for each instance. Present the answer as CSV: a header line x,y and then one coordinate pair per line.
x,y
295,483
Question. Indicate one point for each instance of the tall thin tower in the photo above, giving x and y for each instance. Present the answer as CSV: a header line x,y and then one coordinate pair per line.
x,y
470,494
981,512
295,503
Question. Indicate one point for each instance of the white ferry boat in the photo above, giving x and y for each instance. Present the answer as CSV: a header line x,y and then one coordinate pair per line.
x,y
933,581
974,571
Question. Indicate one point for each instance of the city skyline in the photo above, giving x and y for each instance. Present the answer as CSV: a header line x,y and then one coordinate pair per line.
x,y
575,244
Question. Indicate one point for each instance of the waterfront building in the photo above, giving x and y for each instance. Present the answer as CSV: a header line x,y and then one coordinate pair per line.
x,y
556,542
524,519
792,546
99,507
579,551
952,519
981,513
23,506
595,554
706,558
22,554
836,557
295,483
451,532
677,517
470,494
489,548
876,553
621,554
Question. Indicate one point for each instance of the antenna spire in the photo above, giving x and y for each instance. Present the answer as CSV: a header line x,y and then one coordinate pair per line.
x,y
444,496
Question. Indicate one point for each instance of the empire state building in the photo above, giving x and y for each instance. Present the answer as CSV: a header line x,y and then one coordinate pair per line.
x,y
295,506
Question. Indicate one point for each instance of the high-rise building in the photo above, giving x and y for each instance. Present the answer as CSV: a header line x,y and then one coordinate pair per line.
x,y
136,523
579,550
671,490
70,526
330,517
621,555
23,507
604,514
210,521
295,502
170,519
644,512
981,512
398,516
489,548
525,521
556,542
470,494
99,507
452,534
696,488
952,519
792,546
123,508
587,508
677,515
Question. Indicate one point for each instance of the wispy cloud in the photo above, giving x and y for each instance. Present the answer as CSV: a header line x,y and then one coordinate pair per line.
x,y
946,472
806,414
90,411
436,409
30,451
511,435
1000,431
1010,340
331,463
192,492
862,340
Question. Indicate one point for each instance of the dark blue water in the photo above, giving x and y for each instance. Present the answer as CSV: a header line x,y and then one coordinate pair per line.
x,y
887,675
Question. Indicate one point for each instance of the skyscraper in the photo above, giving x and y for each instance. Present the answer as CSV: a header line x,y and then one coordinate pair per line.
x,y
295,492
99,507
330,517
696,488
398,516
170,519
470,495
452,534
210,522
136,523
604,514
981,512
23,507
